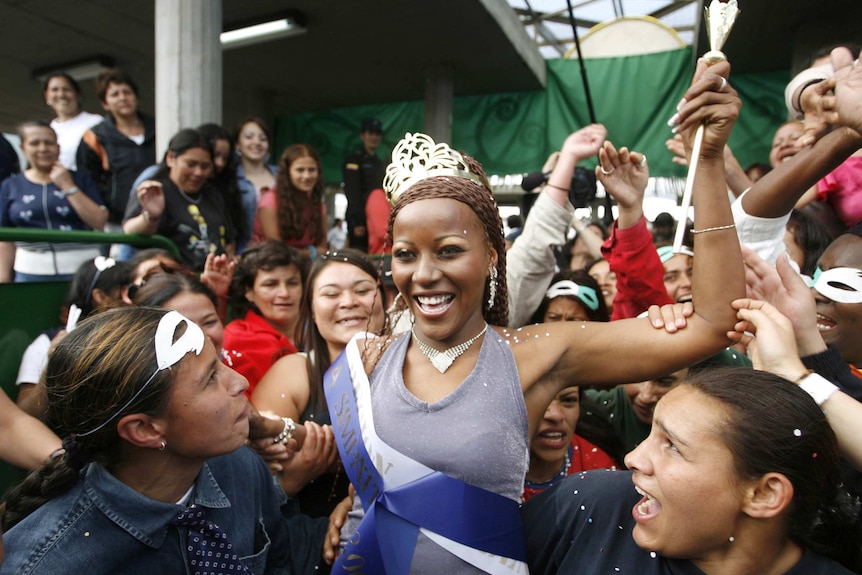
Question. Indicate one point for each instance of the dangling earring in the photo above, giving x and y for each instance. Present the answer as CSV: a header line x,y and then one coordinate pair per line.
x,y
492,286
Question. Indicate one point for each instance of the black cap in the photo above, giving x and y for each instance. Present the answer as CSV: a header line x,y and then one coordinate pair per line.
x,y
371,125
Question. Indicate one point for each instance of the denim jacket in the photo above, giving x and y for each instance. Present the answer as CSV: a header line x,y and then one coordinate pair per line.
x,y
102,525
248,198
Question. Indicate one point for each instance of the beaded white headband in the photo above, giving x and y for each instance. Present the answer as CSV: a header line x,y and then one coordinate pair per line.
x,y
417,157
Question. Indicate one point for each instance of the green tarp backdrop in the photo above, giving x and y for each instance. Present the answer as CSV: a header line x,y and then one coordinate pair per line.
x,y
515,132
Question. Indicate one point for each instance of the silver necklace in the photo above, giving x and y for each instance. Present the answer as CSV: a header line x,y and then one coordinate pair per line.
x,y
190,199
442,360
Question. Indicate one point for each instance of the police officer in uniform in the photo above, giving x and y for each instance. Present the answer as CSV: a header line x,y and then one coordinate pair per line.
x,y
363,172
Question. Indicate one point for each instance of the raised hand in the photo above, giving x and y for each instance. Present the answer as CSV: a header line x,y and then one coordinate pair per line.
x,y
768,335
624,175
218,272
782,287
712,102
676,146
61,177
848,89
151,197
585,142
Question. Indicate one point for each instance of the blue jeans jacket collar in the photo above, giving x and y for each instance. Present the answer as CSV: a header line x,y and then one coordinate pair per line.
x,y
143,518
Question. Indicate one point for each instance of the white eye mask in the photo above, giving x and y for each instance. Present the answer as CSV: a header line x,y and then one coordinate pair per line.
x,y
168,352
842,285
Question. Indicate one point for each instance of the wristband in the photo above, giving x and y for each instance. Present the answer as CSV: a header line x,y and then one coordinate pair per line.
x,y
312,252
817,386
74,190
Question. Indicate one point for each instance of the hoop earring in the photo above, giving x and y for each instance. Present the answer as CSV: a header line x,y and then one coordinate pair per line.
x,y
492,286
162,446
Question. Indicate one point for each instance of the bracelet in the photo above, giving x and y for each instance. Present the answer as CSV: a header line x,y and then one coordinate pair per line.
x,y
550,185
74,190
286,433
715,229
817,386
312,251
147,216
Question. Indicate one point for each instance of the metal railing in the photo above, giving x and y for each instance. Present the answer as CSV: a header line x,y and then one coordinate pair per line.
x,y
58,236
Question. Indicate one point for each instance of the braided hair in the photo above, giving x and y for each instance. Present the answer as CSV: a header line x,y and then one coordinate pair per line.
x,y
94,371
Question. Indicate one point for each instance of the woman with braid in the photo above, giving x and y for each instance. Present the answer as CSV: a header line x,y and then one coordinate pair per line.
x,y
434,426
154,477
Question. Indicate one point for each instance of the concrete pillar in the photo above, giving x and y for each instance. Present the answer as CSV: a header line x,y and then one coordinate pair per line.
x,y
188,66
439,94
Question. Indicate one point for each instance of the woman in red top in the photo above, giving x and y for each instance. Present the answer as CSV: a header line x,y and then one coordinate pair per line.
x,y
295,213
265,295
557,450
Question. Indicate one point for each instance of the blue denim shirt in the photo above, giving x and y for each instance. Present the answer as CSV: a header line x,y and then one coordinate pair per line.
x,y
102,525
248,198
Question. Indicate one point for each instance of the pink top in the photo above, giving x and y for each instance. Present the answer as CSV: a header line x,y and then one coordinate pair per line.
x,y
842,188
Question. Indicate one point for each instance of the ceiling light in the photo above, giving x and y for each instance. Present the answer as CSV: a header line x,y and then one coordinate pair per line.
x,y
263,32
79,70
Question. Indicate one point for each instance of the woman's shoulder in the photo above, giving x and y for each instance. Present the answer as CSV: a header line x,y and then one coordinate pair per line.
x,y
373,348
241,324
14,183
268,199
289,374
42,540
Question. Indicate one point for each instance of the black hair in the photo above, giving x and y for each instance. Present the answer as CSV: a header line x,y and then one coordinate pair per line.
x,y
162,287
34,124
113,76
580,277
775,426
225,181
181,142
266,256
88,277
65,76
252,120
810,235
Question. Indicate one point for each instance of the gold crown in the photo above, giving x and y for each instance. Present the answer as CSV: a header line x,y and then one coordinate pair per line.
x,y
417,157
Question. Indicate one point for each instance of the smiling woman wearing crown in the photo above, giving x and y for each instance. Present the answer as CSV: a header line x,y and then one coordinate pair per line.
x,y
434,406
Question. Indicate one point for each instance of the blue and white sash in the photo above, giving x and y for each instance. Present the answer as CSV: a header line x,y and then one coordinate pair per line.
x,y
402,497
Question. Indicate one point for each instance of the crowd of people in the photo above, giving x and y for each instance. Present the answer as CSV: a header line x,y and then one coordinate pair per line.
x,y
278,400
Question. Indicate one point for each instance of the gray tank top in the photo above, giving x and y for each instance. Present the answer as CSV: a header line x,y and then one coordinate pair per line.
x,y
477,434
